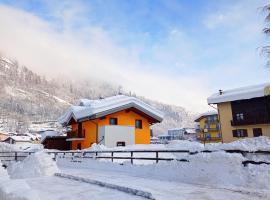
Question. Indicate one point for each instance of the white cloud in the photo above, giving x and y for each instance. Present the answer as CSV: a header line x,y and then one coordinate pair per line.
x,y
179,68
89,52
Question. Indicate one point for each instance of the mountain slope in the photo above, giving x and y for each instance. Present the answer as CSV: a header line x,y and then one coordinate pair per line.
x,y
26,96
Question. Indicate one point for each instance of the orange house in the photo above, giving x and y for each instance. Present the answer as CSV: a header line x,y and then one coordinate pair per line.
x,y
114,121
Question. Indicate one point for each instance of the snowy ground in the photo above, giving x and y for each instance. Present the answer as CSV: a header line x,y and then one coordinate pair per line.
x,y
208,176
163,189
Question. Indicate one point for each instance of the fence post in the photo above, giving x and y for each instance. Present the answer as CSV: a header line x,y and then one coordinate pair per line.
x,y
131,157
96,155
16,157
156,156
112,156
55,154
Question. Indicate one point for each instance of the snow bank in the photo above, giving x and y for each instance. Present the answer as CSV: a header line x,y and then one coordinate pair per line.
x,y
185,145
35,165
17,190
5,147
219,169
261,143
3,174
248,144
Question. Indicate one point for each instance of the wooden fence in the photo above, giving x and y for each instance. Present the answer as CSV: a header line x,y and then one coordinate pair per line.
x,y
114,155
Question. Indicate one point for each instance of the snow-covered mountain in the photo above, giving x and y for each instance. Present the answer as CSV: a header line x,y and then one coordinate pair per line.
x,y
26,96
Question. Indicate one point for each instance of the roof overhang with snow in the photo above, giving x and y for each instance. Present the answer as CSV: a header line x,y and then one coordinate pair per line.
x,y
240,94
210,113
93,109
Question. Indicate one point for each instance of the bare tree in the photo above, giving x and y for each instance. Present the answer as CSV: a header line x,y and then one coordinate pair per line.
x,y
266,49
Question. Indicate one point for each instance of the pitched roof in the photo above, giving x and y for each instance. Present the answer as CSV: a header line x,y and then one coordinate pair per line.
x,y
48,134
92,109
240,93
20,138
209,113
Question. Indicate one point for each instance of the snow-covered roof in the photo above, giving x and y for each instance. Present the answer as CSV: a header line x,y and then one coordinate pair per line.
x,y
190,130
240,93
175,129
209,113
92,109
49,134
21,138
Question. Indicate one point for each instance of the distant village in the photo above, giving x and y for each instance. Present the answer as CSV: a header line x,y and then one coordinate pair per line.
x,y
123,120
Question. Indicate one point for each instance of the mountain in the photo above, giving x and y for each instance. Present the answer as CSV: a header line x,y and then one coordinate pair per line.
x,y
26,96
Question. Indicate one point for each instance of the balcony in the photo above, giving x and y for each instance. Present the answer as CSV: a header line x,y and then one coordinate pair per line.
x,y
212,139
75,135
211,121
250,121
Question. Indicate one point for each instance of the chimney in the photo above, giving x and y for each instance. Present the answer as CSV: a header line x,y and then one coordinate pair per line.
x,y
220,92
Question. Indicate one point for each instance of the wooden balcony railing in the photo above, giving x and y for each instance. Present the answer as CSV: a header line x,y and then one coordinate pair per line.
x,y
212,139
75,134
250,121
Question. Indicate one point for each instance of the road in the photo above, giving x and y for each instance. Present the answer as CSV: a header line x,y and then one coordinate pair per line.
x,y
167,189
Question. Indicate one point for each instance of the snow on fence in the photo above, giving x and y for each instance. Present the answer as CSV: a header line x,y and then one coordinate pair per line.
x,y
252,157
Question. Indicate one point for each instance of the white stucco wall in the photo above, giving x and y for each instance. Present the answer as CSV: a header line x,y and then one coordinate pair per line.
x,y
115,133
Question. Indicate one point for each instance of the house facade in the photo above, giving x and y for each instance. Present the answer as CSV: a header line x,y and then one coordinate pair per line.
x,y
114,121
208,129
243,112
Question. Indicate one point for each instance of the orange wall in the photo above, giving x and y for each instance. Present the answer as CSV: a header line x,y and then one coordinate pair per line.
x,y
142,136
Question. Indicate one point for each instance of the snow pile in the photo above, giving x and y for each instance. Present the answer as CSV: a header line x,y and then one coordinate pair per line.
x,y
218,168
3,174
5,147
32,147
35,165
97,147
258,176
17,190
185,145
261,143
248,144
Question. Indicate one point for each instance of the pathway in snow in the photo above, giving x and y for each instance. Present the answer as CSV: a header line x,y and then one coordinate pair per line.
x,y
165,189
55,188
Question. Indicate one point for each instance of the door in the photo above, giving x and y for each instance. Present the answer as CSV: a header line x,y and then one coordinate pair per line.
x,y
79,146
257,132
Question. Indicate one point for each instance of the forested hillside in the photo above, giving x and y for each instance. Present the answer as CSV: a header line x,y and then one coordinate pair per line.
x,y
26,96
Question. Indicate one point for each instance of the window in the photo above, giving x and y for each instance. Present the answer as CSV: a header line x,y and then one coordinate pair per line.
x,y
208,136
239,116
240,133
257,132
120,144
138,123
79,130
113,121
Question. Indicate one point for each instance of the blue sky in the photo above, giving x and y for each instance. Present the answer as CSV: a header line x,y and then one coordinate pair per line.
x,y
176,52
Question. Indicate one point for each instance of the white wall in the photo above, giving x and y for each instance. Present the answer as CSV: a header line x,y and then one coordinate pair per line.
x,y
115,133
